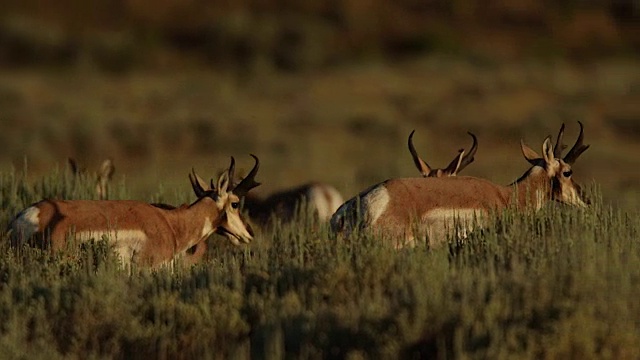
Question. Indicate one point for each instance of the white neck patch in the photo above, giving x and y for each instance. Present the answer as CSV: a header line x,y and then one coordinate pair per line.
x,y
540,199
207,228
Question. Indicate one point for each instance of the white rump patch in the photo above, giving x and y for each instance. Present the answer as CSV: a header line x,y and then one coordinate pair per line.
x,y
335,200
26,223
325,200
374,204
127,243
318,203
365,211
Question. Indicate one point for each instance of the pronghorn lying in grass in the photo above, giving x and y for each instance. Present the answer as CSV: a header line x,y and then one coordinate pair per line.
x,y
456,165
432,206
141,233
319,199
103,176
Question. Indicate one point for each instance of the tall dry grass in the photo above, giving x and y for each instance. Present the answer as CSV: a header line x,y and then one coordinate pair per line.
x,y
557,283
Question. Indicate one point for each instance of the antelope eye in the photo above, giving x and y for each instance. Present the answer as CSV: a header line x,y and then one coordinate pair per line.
x,y
235,205
567,173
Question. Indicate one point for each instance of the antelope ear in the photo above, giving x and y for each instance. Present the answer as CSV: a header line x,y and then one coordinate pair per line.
x,y
529,154
223,183
106,170
547,150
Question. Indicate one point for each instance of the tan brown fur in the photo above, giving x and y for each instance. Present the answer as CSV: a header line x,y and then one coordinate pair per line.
x,y
281,206
172,231
143,234
433,203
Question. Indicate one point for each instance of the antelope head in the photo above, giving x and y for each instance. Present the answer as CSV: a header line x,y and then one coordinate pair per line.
x,y
456,165
103,176
558,168
226,196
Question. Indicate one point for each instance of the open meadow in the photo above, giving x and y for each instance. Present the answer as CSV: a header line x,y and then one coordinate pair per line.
x,y
318,95
561,283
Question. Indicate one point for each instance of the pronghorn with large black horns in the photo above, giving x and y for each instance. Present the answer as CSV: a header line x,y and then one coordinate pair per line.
x,y
141,233
398,208
321,200
455,166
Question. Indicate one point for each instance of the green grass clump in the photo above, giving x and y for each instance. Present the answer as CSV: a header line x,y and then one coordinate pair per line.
x,y
560,283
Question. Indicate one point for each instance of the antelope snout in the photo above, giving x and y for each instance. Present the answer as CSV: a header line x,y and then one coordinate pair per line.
x,y
247,239
586,199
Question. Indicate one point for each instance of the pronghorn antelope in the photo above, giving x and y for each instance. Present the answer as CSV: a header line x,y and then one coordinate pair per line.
x,y
456,165
433,205
319,199
103,176
141,233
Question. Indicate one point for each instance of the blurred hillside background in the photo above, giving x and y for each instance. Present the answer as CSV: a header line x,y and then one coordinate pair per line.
x,y
319,90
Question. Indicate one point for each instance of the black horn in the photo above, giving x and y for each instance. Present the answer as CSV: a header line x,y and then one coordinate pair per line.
x,y
577,149
248,182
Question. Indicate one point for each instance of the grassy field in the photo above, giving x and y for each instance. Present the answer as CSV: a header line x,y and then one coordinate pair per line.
x,y
561,283
323,91
336,105
346,126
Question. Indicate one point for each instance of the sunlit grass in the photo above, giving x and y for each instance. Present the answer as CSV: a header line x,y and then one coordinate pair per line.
x,y
555,284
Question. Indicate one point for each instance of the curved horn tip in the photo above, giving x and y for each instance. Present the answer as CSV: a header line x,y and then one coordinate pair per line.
x,y
256,160
410,141
581,127
473,136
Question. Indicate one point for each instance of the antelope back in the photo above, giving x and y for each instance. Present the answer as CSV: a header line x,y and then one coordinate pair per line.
x,y
318,199
394,207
